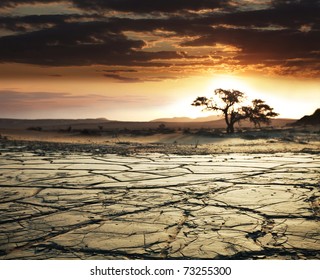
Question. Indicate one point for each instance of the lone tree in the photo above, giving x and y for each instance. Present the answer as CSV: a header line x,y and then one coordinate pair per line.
x,y
229,102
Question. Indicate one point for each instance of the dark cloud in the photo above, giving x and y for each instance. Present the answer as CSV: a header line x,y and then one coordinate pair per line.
x,y
122,78
137,6
22,24
279,32
119,71
147,6
295,3
288,17
264,44
78,43
12,3
26,23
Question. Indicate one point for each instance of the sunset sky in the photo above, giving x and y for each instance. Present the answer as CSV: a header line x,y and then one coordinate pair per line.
x,y
146,59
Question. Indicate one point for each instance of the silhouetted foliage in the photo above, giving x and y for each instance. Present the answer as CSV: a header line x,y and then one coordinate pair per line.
x,y
165,130
90,132
186,130
228,102
161,127
35,128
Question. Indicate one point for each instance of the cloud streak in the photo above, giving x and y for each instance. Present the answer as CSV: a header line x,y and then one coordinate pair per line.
x,y
15,101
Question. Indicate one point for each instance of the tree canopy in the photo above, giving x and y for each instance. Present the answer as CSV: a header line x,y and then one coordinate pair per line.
x,y
230,104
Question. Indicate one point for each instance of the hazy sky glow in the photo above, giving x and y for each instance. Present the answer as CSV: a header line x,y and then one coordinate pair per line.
x,y
142,59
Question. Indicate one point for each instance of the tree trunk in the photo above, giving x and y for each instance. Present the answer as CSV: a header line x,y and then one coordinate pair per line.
x,y
229,124
230,128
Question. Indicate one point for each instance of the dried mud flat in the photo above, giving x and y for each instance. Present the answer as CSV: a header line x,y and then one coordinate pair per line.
x,y
69,203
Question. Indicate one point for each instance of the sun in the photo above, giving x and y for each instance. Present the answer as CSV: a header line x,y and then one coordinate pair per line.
x,y
229,82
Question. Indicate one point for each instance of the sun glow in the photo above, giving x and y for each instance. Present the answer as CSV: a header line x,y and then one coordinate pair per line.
x,y
94,97
284,95
229,82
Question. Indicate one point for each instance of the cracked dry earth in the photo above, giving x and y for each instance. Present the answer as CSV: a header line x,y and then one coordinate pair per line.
x,y
68,205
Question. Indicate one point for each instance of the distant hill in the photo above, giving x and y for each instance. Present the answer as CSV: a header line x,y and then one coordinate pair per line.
x,y
313,119
78,124
188,120
23,124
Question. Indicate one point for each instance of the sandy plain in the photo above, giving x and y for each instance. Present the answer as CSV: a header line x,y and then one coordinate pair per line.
x,y
168,196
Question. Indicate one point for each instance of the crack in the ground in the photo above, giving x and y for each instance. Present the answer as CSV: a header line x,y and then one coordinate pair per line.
x,y
156,206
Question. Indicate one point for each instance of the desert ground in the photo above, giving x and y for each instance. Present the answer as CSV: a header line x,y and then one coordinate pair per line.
x,y
92,194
